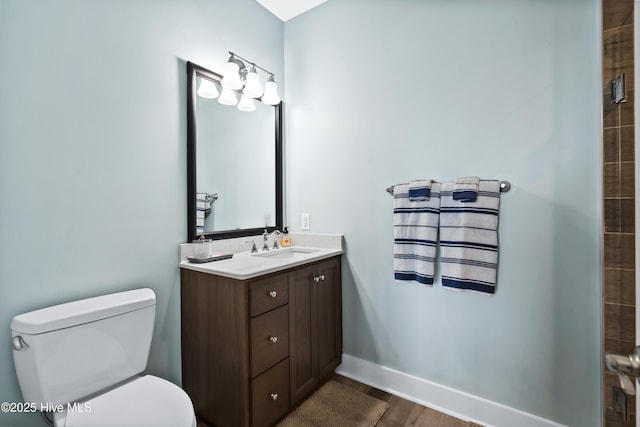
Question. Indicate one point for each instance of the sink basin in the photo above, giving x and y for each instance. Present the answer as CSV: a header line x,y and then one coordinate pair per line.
x,y
286,253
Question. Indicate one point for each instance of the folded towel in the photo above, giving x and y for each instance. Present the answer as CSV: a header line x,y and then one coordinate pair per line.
x,y
415,233
419,190
466,189
202,202
469,239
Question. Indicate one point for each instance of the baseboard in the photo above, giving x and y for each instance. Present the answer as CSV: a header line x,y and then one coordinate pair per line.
x,y
441,398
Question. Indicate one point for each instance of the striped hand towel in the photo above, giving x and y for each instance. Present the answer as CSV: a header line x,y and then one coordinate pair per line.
x,y
469,239
415,233
419,190
203,207
466,189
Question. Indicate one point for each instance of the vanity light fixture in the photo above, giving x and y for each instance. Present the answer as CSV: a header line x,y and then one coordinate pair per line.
x,y
208,89
270,96
252,87
237,77
232,71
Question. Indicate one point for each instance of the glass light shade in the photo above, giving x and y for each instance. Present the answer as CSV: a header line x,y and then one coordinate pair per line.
x,y
231,79
252,85
270,96
228,97
208,89
246,104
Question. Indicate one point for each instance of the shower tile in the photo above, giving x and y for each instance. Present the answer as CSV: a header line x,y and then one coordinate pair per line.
x,y
627,143
610,381
626,109
611,145
619,251
611,180
619,286
612,215
616,13
627,179
612,345
610,41
610,112
628,215
619,321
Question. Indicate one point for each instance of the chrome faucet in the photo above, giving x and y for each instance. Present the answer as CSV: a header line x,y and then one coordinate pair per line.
x,y
276,234
253,247
265,238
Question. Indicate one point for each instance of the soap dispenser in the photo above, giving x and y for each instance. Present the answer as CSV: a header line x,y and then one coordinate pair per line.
x,y
286,240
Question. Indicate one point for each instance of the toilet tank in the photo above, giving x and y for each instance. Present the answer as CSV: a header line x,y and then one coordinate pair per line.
x,y
66,352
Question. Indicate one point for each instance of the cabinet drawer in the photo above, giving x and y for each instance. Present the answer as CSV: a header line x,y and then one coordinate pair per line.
x,y
270,395
269,339
267,294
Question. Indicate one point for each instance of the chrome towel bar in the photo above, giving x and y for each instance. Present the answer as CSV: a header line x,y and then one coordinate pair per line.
x,y
505,186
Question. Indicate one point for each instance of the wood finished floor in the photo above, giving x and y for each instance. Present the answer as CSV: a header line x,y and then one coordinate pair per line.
x,y
401,412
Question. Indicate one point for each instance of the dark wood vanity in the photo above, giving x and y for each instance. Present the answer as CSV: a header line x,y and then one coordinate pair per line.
x,y
253,349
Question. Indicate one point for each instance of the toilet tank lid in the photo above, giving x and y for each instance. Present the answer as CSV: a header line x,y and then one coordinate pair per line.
x,y
82,311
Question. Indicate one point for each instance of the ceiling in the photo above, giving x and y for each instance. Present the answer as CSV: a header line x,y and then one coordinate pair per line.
x,y
288,9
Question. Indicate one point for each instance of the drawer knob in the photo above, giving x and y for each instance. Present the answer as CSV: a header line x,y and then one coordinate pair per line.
x,y
274,396
273,294
274,339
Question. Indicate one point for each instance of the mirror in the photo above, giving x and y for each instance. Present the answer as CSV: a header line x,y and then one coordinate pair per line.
x,y
234,164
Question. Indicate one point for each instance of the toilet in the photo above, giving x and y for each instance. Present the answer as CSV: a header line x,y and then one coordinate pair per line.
x,y
82,361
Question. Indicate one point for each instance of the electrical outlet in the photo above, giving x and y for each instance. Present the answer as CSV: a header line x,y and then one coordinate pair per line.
x,y
304,221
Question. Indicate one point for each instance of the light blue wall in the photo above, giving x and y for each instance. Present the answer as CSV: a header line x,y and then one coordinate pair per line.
x,y
93,150
382,92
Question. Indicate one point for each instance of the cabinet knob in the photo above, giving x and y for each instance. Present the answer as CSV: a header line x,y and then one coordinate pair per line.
x,y
316,279
273,294
274,396
273,339
322,277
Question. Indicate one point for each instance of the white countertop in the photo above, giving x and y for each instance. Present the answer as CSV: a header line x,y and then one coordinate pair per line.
x,y
307,247
245,265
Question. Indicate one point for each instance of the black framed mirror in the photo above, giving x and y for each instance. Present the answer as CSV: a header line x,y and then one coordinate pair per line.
x,y
234,165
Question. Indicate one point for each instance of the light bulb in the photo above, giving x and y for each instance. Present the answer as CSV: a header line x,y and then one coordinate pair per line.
x,y
252,85
270,96
246,104
228,97
231,79
208,89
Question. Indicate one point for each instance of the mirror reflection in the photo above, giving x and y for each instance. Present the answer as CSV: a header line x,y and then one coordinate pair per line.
x,y
235,165
234,161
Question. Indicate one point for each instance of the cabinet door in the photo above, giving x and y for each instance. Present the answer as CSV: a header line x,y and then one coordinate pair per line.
x,y
329,316
302,329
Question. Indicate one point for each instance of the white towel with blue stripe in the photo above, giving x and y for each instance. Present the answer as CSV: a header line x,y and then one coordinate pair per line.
x,y
419,190
203,207
415,233
465,189
469,239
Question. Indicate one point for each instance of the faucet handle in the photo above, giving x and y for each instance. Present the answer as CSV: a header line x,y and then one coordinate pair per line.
x,y
253,247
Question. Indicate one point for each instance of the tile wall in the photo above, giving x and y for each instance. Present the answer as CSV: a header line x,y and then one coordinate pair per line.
x,y
619,197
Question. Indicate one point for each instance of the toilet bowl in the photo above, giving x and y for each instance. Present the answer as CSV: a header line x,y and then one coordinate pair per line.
x,y
83,361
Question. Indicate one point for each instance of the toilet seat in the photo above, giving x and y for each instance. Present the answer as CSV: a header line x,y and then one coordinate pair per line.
x,y
145,401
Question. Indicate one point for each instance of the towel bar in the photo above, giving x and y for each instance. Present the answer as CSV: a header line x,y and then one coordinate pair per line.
x,y
504,187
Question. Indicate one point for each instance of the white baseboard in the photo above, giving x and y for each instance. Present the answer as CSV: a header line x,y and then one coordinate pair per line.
x,y
441,398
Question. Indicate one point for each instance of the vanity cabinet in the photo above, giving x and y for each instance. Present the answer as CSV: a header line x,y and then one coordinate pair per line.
x,y
315,331
253,349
